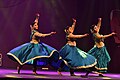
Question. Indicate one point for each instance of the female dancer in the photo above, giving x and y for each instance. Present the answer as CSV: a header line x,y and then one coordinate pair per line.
x,y
99,50
34,51
72,56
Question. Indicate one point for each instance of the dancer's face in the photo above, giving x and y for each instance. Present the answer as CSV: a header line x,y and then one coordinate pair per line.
x,y
70,30
96,29
35,26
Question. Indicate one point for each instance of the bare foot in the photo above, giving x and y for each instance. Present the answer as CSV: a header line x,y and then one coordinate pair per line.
x,y
18,68
34,73
59,73
101,75
72,74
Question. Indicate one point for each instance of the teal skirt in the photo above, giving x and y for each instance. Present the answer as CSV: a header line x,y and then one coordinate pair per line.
x,y
28,52
102,57
75,58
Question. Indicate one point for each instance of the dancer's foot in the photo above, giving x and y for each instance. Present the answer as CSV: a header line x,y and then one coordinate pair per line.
x,y
34,70
87,73
84,76
101,75
59,73
72,74
18,68
35,73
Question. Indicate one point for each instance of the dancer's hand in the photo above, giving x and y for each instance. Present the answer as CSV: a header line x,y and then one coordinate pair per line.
x,y
74,19
100,19
31,27
86,34
51,33
37,14
113,33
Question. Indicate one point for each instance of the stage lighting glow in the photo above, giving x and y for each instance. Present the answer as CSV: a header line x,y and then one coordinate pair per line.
x,y
42,77
11,76
44,68
106,78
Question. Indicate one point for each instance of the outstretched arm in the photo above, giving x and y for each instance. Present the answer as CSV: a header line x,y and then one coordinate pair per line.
x,y
44,35
77,36
99,22
105,36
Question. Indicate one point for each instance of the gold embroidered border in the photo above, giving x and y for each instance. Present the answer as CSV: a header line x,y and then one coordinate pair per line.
x,y
31,58
80,67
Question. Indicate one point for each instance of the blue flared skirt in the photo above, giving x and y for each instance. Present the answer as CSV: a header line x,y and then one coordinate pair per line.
x,y
28,52
102,56
75,58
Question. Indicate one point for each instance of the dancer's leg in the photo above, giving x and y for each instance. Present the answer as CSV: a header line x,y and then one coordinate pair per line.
x,y
72,72
19,68
60,68
35,66
93,70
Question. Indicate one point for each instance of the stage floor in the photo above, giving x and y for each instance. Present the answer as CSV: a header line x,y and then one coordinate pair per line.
x,y
27,74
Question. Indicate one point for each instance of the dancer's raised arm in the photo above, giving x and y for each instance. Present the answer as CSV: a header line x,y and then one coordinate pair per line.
x,y
74,23
37,17
99,22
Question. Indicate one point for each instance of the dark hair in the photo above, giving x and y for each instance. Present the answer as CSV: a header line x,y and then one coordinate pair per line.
x,y
92,27
33,23
66,28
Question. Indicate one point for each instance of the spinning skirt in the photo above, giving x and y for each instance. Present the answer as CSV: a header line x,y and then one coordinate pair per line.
x,y
102,57
28,52
75,58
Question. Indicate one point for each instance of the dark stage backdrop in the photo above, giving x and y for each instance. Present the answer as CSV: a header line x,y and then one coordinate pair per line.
x,y
55,15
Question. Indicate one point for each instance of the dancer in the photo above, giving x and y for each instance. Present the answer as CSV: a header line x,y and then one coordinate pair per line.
x,y
34,51
99,50
72,56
